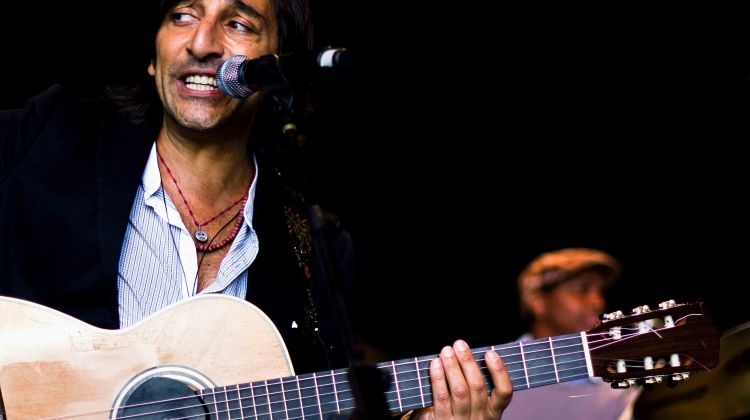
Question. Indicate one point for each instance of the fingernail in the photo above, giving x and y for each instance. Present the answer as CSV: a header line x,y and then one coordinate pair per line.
x,y
447,352
491,355
460,345
436,364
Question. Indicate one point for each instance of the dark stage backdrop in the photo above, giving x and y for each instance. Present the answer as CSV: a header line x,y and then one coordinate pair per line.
x,y
466,141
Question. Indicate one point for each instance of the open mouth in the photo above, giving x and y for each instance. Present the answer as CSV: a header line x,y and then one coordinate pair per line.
x,y
199,82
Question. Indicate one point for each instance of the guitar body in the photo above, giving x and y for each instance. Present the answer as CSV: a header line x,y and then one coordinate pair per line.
x,y
53,365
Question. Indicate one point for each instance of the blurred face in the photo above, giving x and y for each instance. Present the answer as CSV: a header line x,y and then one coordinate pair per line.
x,y
572,306
194,39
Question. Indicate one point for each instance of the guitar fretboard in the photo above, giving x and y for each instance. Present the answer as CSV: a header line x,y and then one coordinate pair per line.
x,y
530,364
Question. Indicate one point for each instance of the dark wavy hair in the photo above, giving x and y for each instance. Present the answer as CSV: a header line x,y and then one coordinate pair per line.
x,y
138,97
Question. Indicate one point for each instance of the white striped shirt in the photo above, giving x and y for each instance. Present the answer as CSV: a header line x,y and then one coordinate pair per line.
x,y
158,262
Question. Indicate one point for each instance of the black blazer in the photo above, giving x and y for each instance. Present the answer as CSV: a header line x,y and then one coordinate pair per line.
x,y
69,170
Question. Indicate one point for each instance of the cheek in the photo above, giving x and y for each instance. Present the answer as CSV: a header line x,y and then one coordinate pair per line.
x,y
566,307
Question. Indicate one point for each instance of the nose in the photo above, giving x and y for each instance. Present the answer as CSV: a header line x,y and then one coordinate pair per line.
x,y
206,42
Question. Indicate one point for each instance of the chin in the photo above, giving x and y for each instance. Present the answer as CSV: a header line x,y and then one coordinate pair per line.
x,y
199,122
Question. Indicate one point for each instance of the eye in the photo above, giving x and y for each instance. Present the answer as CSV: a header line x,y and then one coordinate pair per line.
x,y
240,27
182,17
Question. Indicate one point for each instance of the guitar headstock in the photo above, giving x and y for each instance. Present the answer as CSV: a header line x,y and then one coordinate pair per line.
x,y
652,345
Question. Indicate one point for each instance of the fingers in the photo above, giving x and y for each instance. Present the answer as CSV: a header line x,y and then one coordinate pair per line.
x,y
472,376
441,399
459,389
503,391
463,390
460,399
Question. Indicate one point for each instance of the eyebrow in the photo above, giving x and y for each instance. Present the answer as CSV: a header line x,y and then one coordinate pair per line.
x,y
246,8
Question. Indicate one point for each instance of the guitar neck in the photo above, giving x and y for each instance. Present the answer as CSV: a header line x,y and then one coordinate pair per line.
x,y
530,364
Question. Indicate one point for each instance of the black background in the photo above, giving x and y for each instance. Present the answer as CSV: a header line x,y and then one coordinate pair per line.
x,y
468,140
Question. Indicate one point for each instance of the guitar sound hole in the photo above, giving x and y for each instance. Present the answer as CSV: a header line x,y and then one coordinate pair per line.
x,y
162,398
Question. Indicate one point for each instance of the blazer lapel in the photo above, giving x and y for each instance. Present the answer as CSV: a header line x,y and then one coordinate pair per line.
x,y
123,149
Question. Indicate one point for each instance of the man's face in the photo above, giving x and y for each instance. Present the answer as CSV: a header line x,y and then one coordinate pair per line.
x,y
194,39
573,305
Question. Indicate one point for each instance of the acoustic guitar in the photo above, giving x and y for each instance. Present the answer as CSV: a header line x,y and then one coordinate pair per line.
x,y
218,357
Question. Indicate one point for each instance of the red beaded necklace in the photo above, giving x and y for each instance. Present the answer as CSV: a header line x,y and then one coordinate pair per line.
x,y
200,234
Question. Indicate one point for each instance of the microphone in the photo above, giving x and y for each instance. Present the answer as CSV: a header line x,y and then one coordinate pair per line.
x,y
240,77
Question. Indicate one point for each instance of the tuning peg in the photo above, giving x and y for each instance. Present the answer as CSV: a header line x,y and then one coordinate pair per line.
x,y
674,360
610,316
641,309
667,304
627,383
615,332
653,379
676,379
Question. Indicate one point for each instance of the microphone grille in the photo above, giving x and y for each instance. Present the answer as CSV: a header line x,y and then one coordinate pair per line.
x,y
228,78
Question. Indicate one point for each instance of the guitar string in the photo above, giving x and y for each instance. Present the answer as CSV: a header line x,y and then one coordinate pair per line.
x,y
301,408
425,369
569,361
511,346
255,404
507,364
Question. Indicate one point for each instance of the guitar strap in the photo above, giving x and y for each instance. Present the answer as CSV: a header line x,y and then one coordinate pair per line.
x,y
299,233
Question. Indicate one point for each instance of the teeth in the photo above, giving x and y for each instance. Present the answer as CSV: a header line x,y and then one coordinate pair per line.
x,y
194,86
200,82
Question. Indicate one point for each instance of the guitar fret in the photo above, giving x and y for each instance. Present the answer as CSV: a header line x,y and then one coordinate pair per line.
x,y
419,378
317,395
226,402
301,403
585,343
418,392
268,399
525,372
216,406
239,400
335,393
292,402
262,399
326,390
283,399
309,392
571,361
246,402
409,391
540,363
252,398
219,402
235,403
398,392
554,363
344,390
276,396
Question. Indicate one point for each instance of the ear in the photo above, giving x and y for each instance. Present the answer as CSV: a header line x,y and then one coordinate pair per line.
x,y
151,68
535,303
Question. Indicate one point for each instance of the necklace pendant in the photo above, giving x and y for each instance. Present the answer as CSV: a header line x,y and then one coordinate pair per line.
x,y
201,235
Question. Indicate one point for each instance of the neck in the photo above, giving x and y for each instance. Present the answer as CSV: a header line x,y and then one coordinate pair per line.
x,y
540,329
210,166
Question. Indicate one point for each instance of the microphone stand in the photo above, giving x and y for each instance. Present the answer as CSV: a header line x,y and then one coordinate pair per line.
x,y
368,383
